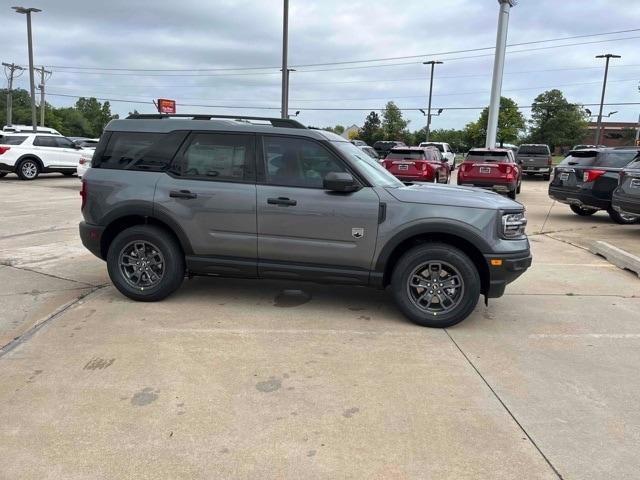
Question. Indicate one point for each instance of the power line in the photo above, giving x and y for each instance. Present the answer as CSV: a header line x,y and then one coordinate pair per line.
x,y
347,62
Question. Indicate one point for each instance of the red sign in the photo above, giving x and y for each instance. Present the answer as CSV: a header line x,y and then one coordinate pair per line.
x,y
166,106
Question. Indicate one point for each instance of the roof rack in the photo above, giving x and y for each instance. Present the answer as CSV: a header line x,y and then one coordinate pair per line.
x,y
276,122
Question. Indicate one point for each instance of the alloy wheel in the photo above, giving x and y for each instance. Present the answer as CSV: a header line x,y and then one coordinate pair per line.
x,y
435,287
142,264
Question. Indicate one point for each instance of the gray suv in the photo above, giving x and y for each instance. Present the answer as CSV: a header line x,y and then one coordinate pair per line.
x,y
174,196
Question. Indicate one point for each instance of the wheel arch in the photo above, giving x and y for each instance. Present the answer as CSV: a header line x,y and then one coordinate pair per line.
x,y
467,242
30,156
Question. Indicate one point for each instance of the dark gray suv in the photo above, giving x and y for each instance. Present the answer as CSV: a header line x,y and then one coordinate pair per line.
x,y
174,196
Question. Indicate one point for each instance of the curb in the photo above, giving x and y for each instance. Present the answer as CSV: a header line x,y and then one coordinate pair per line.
x,y
616,256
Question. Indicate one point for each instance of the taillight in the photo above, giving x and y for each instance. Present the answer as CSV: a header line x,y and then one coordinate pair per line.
x,y
82,161
4,149
592,175
83,194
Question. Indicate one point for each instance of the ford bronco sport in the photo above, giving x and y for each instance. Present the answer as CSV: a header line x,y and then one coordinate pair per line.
x,y
181,195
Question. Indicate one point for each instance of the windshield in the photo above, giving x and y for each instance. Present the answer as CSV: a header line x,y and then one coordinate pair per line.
x,y
375,173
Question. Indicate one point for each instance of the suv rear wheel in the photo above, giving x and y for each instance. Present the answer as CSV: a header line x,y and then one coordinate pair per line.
x,y
28,169
145,263
436,285
623,218
583,212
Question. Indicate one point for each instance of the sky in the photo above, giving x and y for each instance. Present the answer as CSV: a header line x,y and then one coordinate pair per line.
x,y
227,53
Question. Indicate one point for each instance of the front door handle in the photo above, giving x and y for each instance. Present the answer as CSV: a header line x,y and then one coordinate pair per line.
x,y
282,201
182,194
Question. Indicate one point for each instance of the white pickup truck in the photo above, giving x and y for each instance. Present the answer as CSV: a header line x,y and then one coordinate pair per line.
x,y
445,150
29,155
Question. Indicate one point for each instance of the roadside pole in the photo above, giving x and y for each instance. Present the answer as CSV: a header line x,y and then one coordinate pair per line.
x,y
433,64
284,113
11,68
608,57
43,73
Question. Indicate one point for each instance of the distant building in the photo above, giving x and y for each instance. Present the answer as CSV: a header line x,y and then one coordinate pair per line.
x,y
353,129
614,134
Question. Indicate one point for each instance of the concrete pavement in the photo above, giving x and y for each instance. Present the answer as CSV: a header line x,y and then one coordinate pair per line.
x,y
236,379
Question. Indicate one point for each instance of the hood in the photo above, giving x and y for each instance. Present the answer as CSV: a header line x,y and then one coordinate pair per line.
x,y
454,196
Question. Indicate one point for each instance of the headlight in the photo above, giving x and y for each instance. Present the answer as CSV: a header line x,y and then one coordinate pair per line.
x,y
513,225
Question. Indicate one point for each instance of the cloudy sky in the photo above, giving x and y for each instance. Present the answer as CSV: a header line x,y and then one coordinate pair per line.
x,y
226,53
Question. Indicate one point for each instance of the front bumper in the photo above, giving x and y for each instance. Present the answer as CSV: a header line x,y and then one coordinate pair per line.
x,y
581,198
91,236
622,204
512,266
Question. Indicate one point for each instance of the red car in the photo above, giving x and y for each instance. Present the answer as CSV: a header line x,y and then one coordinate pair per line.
x,y
491,168
417,164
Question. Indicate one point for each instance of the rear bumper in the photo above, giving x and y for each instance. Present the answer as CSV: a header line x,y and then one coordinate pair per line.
x,y
5,167
545,169
513,265
91,236
580,198
496,186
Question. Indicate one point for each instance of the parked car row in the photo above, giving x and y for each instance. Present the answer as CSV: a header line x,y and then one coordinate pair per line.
x,y
593,179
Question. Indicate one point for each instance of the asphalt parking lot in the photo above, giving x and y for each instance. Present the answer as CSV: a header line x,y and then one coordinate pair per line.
x,y
245,379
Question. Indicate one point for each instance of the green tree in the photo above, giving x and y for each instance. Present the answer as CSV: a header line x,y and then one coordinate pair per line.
x,y
555,121
97,114
510,123
393,125
371,129
455,138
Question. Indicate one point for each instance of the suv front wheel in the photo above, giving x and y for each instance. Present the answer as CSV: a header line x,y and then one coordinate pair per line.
x,y
436,285
145,263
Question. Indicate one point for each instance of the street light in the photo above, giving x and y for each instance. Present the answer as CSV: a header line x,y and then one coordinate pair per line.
x,y
498,70
32,84
433,64
608,56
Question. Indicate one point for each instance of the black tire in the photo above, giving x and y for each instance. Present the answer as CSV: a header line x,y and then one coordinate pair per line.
x,y
68,174
519,187
28,169
583,212
623,219
172,270
546,177
448,257
3,174
512,194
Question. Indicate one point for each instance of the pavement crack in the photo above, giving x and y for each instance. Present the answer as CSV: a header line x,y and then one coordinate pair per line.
x,y
513,417
36,232
88,285
33,330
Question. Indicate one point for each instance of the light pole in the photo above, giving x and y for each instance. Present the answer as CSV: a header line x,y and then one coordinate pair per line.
x,y
440,110
285,66
498,70
32,83
433,64
286,100
608,56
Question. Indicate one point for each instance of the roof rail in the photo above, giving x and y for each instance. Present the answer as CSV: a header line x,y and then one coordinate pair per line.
x,y
276,122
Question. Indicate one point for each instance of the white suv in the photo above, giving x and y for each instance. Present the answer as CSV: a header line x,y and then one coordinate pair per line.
x,y
445,150
28,155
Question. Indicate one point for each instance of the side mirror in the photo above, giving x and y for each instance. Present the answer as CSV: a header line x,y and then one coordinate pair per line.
x,y
340,182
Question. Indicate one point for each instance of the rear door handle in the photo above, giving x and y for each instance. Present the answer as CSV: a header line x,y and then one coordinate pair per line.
x,y
186,194
282,201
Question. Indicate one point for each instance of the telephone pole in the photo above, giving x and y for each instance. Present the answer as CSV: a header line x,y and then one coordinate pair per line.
x,y
10,69
44,76
433,64
608,57
285,60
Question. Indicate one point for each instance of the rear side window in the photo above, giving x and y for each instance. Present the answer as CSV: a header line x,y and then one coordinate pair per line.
x,y
406,154
616,159
139,151
42,141
222,157
534,150
435,145
12,140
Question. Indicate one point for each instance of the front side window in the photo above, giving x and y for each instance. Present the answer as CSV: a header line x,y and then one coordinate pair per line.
x,y
214,156
62,142
298,162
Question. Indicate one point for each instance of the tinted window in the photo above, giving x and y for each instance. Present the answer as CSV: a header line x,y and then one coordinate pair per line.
x,y
619,159
534,150
436,145
6,140
41,141
298,162
215,156
580,157
635,164
406,153
375,173
62,142
482,156
126,149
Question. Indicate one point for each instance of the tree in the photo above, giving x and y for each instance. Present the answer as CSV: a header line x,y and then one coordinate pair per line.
x,y
510,123
394,126
98,115
555,121
455,138
338,129
371,129
354,135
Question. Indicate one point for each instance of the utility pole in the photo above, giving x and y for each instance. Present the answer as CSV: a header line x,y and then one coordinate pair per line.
x,y
638,133
10,69
289,70
285,62
32,84
498,70
433,64
43,72
608,56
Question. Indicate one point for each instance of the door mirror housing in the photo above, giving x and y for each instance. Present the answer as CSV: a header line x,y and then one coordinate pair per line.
x,y
340,182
